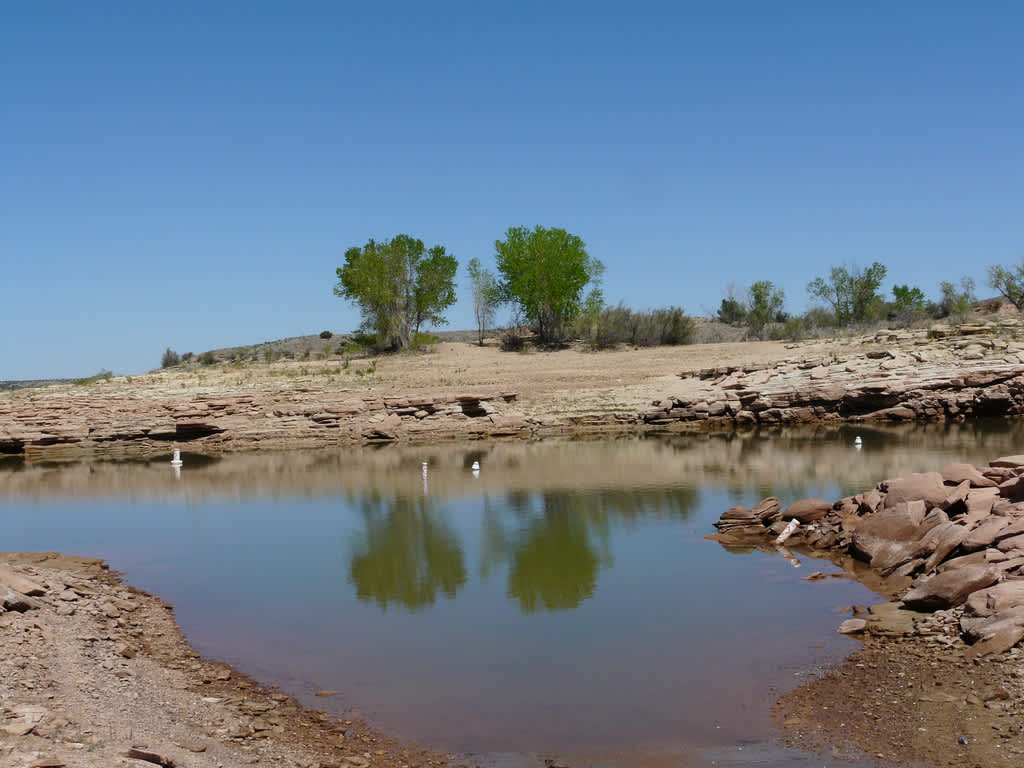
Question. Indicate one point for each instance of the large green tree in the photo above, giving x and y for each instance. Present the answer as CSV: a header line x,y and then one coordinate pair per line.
x,y
399,285
764,305
544,272
852,293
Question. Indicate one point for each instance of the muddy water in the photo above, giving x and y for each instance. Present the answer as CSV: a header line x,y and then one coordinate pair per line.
x,y
562,600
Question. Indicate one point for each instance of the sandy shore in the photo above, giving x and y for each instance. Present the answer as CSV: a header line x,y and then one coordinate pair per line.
x,y
96,673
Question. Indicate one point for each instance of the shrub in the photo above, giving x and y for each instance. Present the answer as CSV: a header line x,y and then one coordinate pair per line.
x,y
170,358
325,334
187,356
207,358
512,341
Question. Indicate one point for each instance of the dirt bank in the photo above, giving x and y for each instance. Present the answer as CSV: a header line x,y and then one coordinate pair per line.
x,y
96,673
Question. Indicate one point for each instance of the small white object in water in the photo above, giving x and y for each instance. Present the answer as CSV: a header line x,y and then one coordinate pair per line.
x,y
476,466
176,459
857,441
788,531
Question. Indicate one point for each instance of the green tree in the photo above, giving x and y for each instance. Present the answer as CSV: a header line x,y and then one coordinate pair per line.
x,y
732,310
908,303
1009,283
486,297
398,285
957,303
852,293
764,305
544,272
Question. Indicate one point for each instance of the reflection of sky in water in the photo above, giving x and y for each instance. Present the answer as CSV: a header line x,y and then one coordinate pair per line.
x,y
553,620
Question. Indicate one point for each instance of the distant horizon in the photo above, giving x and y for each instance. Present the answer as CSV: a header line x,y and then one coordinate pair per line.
x,y
189,175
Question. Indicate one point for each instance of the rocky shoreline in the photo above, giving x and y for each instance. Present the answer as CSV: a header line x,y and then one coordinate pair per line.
x,y
94,672
940,678
936,374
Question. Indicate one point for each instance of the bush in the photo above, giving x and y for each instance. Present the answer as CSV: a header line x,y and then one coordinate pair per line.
x,y
621,325
207,358
325,334
512,341
187,356
170,358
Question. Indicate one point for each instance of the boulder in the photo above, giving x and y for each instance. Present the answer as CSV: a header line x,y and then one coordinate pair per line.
x,y
997,598
950,588
807,510
958,473
1008,462
1013,488
20,583
942,540
1014,542
928,487
852,627
955,502
994,634
890,537
767,510
973,558
985,534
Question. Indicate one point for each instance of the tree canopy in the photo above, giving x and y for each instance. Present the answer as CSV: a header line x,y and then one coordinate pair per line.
x,y
852,293
544,271
398,285
1009,283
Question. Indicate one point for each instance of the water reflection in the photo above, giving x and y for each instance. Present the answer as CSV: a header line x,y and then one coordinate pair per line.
x,y
553,545
407,553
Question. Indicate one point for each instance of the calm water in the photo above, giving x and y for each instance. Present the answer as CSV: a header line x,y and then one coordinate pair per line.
x,y
564,601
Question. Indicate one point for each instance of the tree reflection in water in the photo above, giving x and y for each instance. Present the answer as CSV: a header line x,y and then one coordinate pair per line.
x,y
409,553
554,544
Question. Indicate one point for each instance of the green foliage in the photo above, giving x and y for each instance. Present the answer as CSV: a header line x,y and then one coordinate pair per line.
x,y
187,356
422,341
170,358
764,305
103,375
398,285
207,358
486,297
326,334
731,311
908,304
852,293
1009,283
957,303
544,271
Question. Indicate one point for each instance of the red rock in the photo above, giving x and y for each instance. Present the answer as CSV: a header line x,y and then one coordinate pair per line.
x,y
928,487
807,510
950,588
958,473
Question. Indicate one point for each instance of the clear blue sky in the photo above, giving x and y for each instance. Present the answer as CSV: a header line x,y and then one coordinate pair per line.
x,y
189,174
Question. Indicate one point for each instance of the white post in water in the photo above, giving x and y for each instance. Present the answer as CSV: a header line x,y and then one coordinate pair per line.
x,y
476,469
858,443
424,478
176,459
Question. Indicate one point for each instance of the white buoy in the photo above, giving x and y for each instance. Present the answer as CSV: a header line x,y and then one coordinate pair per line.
x,y
858,443
476,466
424,468
176,459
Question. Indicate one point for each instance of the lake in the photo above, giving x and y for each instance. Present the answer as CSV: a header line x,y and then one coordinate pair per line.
x,y
560,600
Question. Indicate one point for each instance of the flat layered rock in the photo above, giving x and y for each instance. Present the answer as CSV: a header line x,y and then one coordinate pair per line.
x,y
950,588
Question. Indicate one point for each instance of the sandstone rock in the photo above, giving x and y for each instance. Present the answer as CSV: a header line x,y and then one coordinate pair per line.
x,y
985,534
928,487
974,558
852,626
767,510
20,583
15,601
807,510
897,526
956,502
1013,488
958,473
943,540
950,588
985,602
1009,462
891,619
1014,542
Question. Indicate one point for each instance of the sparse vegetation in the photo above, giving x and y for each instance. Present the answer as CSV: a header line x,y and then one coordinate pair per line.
x,y
1009,282
207,358
326,334
170,358
103,375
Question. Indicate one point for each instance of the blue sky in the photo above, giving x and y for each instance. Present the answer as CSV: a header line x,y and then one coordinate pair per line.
x,y
189,174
